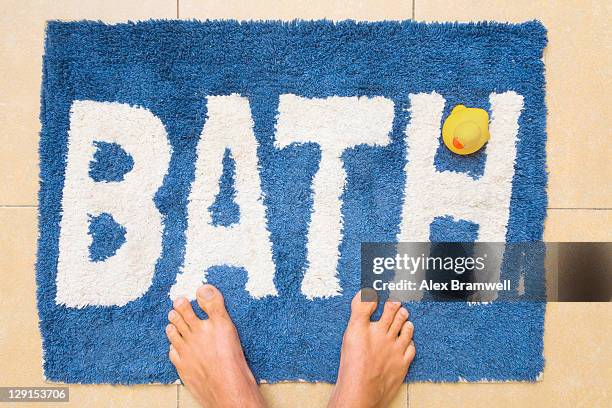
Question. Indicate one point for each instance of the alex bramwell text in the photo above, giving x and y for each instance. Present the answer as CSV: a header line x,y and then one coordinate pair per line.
x,y
429,285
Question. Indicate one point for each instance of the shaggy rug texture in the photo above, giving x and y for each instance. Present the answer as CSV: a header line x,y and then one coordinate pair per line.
x,y
257,156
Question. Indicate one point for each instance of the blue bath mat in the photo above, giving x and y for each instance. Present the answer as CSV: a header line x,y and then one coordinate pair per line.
x,y
257,157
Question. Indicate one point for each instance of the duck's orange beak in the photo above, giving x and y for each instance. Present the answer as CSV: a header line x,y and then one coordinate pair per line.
x,y
457,143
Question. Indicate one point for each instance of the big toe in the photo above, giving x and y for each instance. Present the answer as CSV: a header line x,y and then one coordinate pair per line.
x,y
211,301
363,305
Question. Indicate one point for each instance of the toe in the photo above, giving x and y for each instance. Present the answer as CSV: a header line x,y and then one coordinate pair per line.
x,y
183,307
174,355
177,320
211,301
389,312
410,353
398,321
173,335
405,336
363,305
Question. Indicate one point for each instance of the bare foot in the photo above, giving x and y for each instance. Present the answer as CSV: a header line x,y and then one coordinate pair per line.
x,y
375,356
207,353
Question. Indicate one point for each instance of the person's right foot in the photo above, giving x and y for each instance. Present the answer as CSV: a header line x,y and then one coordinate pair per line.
x,y
375,356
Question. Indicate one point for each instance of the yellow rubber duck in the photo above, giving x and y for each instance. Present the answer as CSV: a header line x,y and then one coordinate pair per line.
x,y
466,130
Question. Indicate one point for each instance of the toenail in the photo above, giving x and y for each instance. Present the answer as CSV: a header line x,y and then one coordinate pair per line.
x,y
172,315
391,305
206,292
403,311
169,328
179,302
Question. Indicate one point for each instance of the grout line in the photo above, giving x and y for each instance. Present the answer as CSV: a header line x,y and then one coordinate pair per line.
x,y
548,208
580,208
413,8
177,386
408,394
177,9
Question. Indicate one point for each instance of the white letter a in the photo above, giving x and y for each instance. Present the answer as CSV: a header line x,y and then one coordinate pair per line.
x,y
246,244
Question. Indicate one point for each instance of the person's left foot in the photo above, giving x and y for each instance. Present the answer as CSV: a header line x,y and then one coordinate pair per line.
x,y
207,353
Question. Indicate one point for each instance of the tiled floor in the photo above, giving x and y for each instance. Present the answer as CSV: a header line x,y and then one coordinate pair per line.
x,y
579,363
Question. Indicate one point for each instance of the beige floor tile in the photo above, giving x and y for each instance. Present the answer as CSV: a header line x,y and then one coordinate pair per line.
x,y
20,343
298,395
578,72
22,25
295,395
305,395
578,225
290,9
577,373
